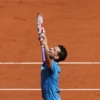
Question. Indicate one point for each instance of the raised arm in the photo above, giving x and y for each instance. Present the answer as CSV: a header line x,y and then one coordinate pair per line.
x,y
44,42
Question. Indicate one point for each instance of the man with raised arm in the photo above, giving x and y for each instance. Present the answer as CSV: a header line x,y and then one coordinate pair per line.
x,y
50,69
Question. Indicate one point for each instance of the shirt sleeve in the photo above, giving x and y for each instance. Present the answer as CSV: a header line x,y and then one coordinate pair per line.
x,y
43,66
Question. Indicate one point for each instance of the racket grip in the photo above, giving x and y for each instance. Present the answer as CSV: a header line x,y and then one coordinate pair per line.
x,y
43,54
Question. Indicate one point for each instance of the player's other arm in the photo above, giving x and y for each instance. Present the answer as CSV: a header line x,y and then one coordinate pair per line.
x,y
45,43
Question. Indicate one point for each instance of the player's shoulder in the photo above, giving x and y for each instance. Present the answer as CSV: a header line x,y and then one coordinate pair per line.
x,y
55,63
56,66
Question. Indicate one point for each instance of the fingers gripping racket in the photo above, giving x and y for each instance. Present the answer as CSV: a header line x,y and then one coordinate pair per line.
x,y
41,30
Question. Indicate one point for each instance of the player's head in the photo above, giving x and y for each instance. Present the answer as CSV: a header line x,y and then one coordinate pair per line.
x,y
58,53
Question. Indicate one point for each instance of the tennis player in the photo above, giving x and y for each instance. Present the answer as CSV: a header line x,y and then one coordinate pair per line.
x,y
50,68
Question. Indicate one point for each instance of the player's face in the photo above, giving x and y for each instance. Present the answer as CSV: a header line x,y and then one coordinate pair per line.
x,y
54,52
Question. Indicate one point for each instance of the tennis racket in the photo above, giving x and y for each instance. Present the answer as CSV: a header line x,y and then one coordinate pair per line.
x,y
41,30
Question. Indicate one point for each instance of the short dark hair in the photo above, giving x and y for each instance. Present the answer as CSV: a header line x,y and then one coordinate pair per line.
x,y
63,54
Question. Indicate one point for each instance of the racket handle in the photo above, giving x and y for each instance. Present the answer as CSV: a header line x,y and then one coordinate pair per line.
x,y
43,54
